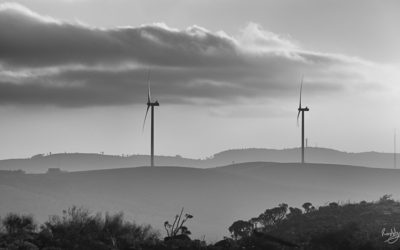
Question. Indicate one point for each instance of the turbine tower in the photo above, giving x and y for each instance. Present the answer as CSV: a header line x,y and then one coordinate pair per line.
x,y
151,105
301,110
394,155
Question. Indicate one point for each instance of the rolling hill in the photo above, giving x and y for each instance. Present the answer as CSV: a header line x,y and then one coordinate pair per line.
x,y
215,196
82,161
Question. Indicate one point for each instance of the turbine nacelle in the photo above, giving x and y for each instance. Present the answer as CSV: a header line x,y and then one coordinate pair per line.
x,y
303,109
156,103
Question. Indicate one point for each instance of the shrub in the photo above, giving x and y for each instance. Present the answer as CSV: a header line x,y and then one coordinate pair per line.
x,y
80,229
18,224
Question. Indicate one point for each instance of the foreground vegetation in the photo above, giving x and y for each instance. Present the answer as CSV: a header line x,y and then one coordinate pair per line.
x,y
334,226
364,225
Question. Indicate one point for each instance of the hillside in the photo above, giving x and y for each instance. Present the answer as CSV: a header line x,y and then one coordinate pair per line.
x,y
357,226
215,196
84,162
363,225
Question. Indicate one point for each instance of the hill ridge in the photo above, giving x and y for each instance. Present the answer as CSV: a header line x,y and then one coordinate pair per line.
x,y
90,161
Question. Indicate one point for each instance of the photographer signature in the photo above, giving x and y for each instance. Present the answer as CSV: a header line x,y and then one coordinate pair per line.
x,y
393,235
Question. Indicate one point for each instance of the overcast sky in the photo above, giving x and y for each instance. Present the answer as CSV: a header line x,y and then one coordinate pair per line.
x,y
226,73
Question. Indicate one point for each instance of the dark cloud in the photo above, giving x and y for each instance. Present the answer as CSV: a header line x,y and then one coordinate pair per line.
x,y
27,40
49,62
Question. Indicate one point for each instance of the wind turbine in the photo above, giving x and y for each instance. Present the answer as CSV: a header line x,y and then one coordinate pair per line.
x,y
301,110
151,105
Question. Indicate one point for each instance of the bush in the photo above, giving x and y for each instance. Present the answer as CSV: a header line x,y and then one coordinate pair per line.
x,y
19,232
18,224
80,229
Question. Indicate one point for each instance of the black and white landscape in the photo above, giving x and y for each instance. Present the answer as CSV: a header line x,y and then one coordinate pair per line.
x,y
262,124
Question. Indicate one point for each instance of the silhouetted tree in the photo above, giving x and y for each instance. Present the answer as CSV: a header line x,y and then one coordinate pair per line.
x,y
240,229
294,211
177,229
387,198
254,221
333,205
273,216
308,207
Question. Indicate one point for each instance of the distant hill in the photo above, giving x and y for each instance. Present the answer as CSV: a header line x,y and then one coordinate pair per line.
x,y
83,162
215,196
313,155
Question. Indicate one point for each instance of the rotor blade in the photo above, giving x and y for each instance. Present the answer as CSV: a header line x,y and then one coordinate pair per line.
x,y
298,115
144,122
148,86
301,88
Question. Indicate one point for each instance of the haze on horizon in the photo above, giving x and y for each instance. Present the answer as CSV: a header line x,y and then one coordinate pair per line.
x,y
226,73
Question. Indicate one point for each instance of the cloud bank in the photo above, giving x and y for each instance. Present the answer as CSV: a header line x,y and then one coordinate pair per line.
x,y
45,61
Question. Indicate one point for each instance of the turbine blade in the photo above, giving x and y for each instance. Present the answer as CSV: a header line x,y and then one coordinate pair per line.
x,y
144,122
298,115
301,88
148,86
